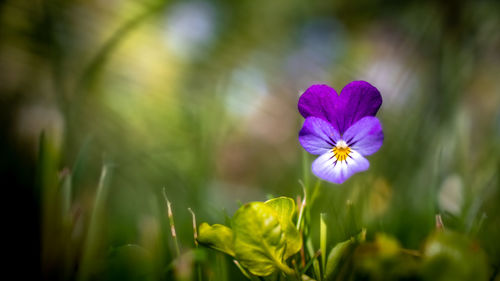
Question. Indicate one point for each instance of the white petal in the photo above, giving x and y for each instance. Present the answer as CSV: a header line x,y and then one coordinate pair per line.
x,y
327,167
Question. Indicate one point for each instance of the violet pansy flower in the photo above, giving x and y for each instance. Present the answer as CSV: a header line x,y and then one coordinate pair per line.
x,y
341,128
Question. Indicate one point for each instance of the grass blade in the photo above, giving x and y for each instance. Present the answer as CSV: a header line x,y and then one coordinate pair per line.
x,y
322,241
92,242
172,223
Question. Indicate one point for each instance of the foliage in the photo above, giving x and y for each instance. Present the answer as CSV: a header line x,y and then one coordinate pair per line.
x,y
263,236
198,98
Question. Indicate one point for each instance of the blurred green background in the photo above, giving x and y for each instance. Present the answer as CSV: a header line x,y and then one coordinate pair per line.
x,y
199,98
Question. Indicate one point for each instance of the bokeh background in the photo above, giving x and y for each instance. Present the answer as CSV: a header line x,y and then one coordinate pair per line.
x,y
199,98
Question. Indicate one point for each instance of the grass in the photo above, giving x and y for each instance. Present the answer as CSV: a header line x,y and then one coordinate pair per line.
x,y
127,117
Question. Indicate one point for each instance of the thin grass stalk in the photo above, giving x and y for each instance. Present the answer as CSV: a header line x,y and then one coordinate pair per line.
x,y
195,237
172,223
66,194
306,167
302,207
439,223
221,271
66,223
46,178
310,262
92,241
243,271
311,253
322,241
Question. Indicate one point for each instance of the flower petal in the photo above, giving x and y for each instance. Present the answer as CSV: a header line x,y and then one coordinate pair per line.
x,y
318,101
357,100
365,136
328,168
317,136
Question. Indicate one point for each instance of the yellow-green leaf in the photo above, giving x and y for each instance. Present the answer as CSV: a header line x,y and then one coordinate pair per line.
x,y
285,208
217,236
259,239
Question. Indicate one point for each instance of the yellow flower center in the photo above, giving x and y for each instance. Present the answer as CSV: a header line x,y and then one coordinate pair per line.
x,y
341,151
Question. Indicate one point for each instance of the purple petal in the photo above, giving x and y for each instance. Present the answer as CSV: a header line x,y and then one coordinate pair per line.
x,y
328,168
357,100
318,101
317,136
365,136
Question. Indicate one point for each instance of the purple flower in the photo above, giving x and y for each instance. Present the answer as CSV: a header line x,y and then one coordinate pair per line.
x,y
341,128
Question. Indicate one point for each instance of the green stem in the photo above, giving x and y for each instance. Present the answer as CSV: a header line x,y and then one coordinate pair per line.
x,y
287,270
410,252
310,262
280,265
315,193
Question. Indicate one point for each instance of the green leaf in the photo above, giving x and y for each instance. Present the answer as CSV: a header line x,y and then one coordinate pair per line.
x,y
217,236
285,208
341,250
336,255
259,239
310,250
